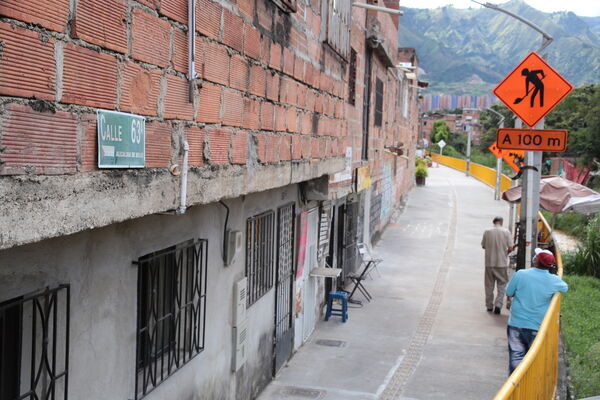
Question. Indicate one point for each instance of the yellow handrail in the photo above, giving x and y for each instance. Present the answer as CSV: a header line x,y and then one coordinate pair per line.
x,y
536,376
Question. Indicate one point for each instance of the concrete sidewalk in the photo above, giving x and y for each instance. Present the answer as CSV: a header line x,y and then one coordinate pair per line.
x,y
426,334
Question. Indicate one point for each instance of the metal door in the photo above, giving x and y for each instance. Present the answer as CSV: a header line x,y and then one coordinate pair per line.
x,y
284,285
349,238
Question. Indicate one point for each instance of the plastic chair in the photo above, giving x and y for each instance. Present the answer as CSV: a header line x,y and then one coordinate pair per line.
x,y
367,257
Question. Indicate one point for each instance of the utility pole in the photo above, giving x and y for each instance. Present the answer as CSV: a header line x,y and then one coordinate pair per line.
x,y
530,194
498,160
468,170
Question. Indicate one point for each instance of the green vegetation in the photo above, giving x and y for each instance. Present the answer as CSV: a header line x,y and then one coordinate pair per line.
x,y
570,223
449,151
580,114
581,308
580,311
421,171
586,259
490,121
440,131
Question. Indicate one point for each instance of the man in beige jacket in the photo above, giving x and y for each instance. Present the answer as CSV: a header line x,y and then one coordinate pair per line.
x,y
497,242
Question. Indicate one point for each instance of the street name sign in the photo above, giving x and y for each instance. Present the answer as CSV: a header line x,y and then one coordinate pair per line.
x,y
121,140
532,139
508,156
532,89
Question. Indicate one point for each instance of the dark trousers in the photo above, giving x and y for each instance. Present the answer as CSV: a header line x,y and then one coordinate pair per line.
x,y
519,342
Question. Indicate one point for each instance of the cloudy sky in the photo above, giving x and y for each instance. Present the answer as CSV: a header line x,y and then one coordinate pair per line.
x,y
579,7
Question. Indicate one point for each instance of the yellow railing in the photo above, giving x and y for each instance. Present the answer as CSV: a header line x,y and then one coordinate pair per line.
x,y
537,374
485,174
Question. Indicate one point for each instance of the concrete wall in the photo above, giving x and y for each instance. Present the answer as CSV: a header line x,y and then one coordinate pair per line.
x,y
98,265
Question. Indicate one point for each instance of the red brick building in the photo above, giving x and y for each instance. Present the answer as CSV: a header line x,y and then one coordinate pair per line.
x,y
270,128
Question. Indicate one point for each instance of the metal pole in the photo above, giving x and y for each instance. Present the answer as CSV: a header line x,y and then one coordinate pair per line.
x,y
512,212
498,168
468,150
377,8
523,237
498,178
499,159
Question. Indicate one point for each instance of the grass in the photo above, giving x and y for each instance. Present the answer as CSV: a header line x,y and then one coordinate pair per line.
x,y
580,311
572,224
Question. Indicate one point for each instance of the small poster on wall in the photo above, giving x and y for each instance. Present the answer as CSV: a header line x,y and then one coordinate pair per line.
x,y
302,237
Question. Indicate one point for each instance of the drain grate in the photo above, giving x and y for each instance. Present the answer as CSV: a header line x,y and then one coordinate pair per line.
x,y
331,343
292,392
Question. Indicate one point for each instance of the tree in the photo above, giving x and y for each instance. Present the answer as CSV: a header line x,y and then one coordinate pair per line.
x,y
490,121
440,131
579,113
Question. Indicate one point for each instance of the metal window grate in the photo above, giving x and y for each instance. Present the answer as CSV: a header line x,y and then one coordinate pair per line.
x,y
285,271
171,311
352,78
339,16
260,255
34,346
378,102
289,6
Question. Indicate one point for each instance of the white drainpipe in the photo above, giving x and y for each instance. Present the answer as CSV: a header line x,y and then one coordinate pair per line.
x,y
183,181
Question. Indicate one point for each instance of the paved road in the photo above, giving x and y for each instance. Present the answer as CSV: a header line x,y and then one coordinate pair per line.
x,y
426,335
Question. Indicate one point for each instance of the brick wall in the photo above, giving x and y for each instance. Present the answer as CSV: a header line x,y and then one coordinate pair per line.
x,y
264,79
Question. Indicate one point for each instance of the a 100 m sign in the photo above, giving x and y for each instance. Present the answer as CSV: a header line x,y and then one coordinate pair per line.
x,y
554,140
121,140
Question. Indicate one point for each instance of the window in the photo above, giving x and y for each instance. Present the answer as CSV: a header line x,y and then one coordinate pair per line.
x,y
378,102
338,20
34,332
352,78
171,311
405,102
290,6
260,251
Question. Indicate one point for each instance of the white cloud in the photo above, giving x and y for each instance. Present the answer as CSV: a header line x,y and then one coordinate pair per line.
x,y
579,7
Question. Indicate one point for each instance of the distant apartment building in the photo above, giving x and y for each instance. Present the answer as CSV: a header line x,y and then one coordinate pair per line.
x,y
172,172
435,102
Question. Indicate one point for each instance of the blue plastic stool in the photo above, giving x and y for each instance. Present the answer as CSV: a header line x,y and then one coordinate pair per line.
x,y
341,312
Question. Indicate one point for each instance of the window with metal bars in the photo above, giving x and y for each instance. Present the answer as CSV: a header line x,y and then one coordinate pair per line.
x,y
378,102
171,311
34,345
338,20
352,78
290,6
260,255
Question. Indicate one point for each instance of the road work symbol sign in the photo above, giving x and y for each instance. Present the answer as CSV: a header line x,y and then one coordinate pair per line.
x,y
510,157
532,139
532,89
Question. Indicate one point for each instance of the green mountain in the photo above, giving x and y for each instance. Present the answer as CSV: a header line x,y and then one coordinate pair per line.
x,y
469,51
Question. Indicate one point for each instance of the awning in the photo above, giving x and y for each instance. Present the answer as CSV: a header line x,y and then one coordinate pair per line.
x,y
559,195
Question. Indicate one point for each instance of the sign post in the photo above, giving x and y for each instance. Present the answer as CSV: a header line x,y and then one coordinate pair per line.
x,y
442,144
531,91
468,169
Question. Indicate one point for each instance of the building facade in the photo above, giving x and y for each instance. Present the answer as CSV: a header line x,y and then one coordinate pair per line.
x,y
467,120
276,136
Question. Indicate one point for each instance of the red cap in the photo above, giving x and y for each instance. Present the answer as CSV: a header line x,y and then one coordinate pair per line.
x,y
546,259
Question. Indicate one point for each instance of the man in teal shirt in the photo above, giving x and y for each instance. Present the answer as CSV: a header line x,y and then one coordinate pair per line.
x,y
532,290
